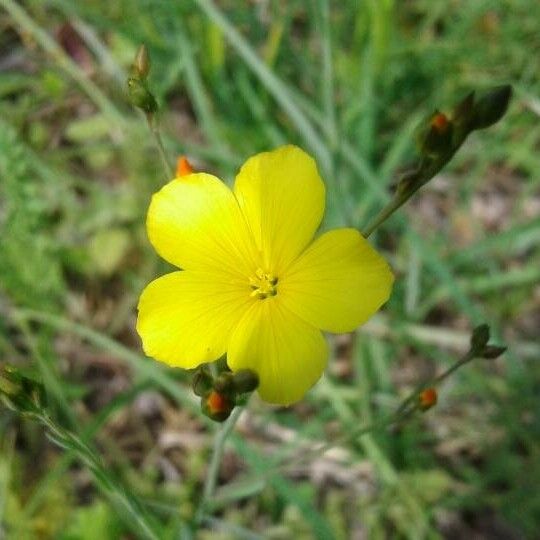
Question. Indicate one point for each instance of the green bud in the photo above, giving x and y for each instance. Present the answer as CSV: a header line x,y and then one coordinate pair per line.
x,y
217,406
435,135
491,352
202,381
463,110
491,107
224,383
140,96
245,380
462,117
221,364
141,65
480,337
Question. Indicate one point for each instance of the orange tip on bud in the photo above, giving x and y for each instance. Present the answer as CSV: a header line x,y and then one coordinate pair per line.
x,y
427,398
183,166
439,122
217,406
217,403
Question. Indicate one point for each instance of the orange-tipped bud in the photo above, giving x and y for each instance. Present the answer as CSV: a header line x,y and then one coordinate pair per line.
x,y
427,398
217,402
440,122
434,136
183,166
217,406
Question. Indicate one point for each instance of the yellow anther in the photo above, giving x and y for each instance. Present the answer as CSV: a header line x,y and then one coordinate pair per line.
x,y
263,284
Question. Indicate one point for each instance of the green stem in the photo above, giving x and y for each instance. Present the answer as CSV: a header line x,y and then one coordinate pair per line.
x,y
407,407
154,129
215,462
409,185
397,202
382,423
412,400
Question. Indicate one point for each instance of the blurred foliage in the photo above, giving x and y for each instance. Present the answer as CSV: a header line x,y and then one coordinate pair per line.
x,y
349,82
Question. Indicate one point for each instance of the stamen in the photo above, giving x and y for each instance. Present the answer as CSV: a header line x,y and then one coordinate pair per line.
x,y
263,284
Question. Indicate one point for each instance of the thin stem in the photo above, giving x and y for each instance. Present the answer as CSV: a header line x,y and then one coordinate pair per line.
x,y
427,169
384,214
374,426
154,129
215,462
413,397
406,408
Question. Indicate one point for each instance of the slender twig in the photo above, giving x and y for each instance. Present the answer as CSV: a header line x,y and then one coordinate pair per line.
x,y
439,141
384,214
156,133
215,462
407,407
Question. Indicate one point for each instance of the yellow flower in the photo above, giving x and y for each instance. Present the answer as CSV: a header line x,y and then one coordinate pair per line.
x,y
255,284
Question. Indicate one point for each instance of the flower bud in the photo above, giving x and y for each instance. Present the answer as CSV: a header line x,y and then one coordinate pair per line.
x,y
224,383
490,107
463,111
427,399
183,166
479,338
141,64
435,135
202,381
491,352
221,364
245,380
217,406
140,96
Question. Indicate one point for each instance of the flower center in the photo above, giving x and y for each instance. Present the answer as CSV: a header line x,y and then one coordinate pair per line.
x,y
263,284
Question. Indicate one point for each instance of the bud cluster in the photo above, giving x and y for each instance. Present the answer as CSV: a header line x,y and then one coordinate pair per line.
x,y
440,136
221,392
138,92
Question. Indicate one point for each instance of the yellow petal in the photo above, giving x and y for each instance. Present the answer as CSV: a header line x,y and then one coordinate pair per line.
x,y
288,354
186,318
194,222
282,197
337,283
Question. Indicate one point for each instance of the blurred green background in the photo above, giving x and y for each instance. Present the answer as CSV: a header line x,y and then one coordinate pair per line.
x,y
348,81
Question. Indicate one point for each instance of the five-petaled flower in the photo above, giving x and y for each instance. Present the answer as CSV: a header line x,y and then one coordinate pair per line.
x,y
254,283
